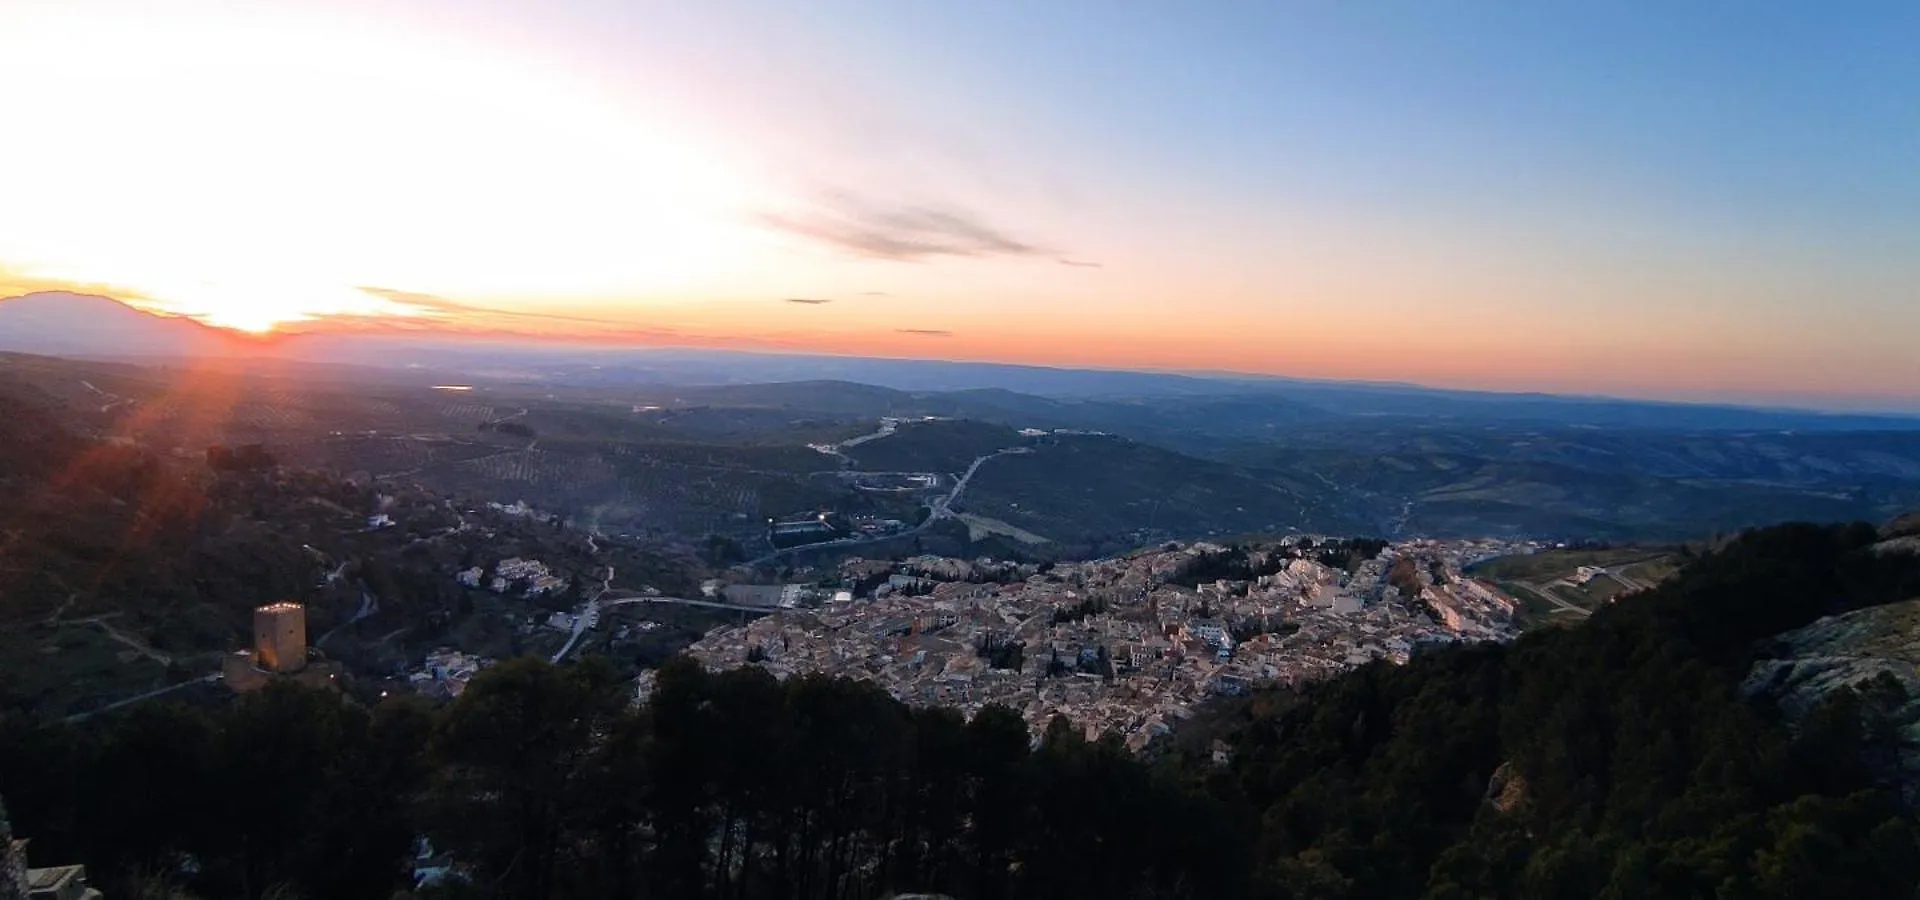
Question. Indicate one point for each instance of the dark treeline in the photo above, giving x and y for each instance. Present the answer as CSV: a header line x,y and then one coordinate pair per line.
x,y
549,784
1614,759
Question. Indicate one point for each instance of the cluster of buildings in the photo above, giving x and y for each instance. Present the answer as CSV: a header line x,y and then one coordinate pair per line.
x,y
534,574
445,673
517,509
1131,644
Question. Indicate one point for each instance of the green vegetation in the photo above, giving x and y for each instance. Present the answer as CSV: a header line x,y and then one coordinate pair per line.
x,y
1598,591
124,570
1652,571
71,666
1548,565
677,463
1621,484
1095,496
548,785
1615,759
1540,579
944,446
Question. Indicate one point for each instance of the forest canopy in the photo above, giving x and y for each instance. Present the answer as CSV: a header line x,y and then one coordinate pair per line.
x,y
1615,759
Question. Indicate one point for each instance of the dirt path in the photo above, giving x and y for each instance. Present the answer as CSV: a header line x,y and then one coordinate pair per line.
x,y
137,644
138,698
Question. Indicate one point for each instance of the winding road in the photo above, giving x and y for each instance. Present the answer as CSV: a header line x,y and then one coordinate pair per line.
x,y
938,508
368,606
587,619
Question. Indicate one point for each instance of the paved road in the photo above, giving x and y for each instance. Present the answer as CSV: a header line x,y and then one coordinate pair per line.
x,y
587,618
1632,585
682,601
945,504
1629,586
1553,598
838,451
138,645
940,508
368,606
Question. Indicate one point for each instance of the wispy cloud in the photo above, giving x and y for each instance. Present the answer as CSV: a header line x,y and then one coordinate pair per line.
x,y
416,299
434,306
18,282
908,233
810,301
1080,263
925,332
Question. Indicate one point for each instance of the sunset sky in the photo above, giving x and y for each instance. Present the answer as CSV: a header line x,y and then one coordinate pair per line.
x,y
1699,200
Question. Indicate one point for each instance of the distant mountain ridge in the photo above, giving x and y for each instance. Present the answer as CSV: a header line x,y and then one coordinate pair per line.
x,y
60,323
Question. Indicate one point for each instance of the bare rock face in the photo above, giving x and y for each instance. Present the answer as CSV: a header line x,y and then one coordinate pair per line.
x,y
1905,544
1507,789
1850,651
1905,526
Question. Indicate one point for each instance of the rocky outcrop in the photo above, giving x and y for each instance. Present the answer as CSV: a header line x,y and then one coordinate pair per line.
x,y
1905,526
1907,544
1866,646
1507,789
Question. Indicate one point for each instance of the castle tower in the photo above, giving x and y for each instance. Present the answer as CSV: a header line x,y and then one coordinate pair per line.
x,y
280,637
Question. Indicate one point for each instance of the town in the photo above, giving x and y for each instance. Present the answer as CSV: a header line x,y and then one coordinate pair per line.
x,y
1130,645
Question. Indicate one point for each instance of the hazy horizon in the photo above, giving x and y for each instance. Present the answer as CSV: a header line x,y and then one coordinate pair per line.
x,y
1716,204
288,345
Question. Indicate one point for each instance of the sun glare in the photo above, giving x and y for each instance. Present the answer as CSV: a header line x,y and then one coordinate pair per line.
x,y
342,158
262,303
256,319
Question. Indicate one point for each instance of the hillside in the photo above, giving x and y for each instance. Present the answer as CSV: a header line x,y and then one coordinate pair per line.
x,y
124,569
87,325
1874,652
1595,483
946,447
1111,494
1620,758
683,462
667,472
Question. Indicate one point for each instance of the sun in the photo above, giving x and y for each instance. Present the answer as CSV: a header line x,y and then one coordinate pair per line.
x,y
250,321
259,306
267,307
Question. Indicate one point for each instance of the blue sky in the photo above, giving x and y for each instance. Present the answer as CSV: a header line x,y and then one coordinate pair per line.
x,y
1705,200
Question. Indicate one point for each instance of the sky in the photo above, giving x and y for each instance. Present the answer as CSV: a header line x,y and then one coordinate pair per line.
x,y
1709,200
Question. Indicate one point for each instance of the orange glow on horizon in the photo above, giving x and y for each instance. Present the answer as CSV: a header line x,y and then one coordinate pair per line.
x,y
282,170
1752,365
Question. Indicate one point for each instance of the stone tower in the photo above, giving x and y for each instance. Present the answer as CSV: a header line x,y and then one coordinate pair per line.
x,y
280,637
